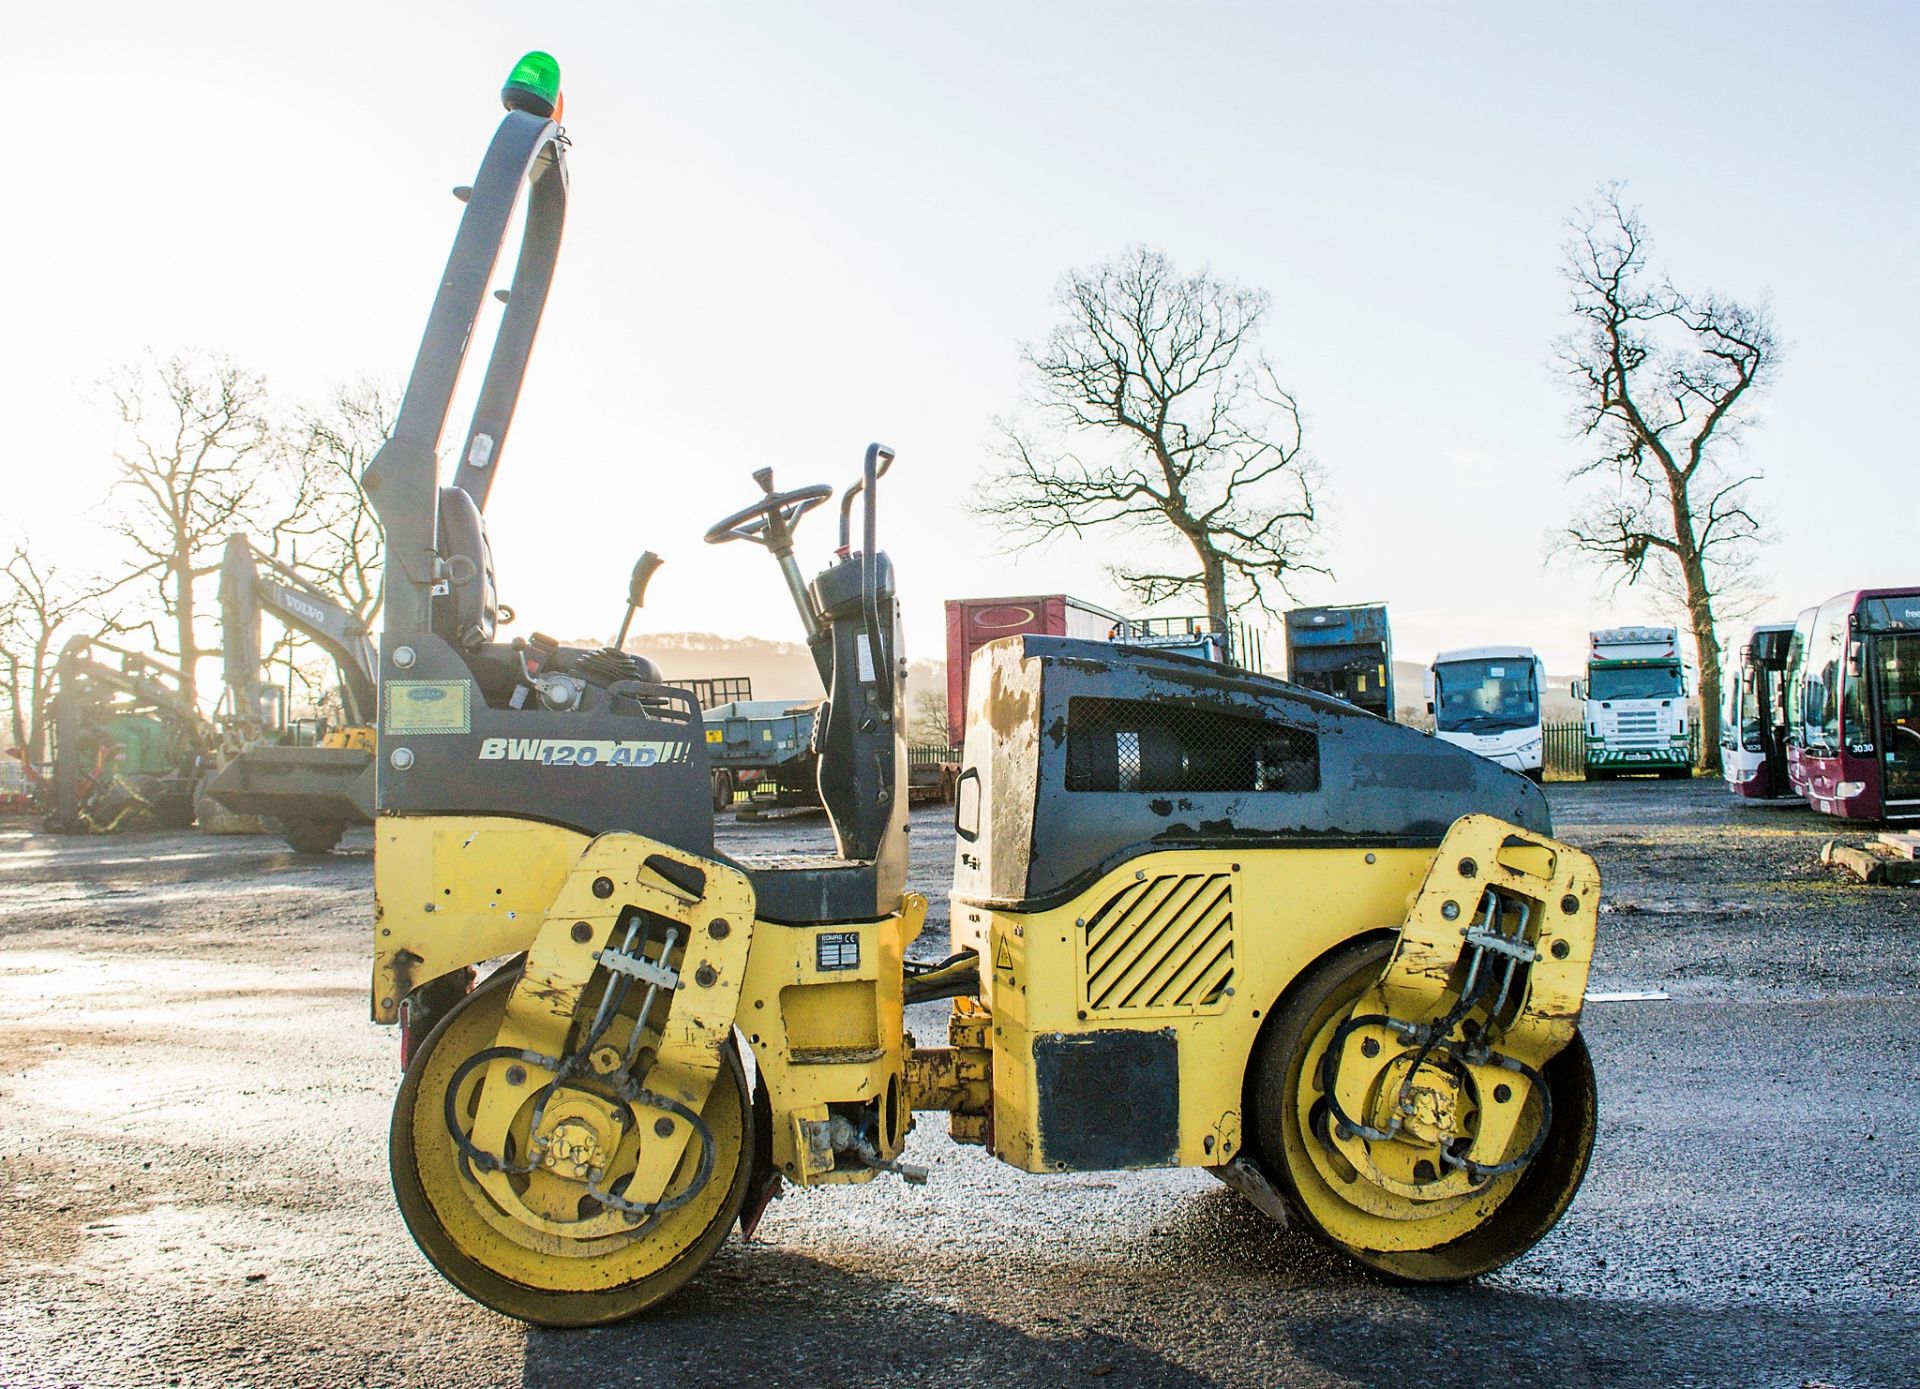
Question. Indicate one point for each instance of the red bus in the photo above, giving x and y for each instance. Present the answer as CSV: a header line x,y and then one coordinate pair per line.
x,y
1753,720
1859,705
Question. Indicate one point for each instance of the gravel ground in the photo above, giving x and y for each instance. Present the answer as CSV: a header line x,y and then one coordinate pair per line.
x,y
193,1171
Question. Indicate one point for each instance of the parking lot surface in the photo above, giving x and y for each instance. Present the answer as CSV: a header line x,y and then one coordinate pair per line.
x,y
193,1175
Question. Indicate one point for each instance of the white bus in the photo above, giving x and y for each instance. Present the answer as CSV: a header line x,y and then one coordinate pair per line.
x,y
1487,699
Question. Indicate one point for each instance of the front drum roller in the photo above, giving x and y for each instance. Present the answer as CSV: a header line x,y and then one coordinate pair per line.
x,y
526,1272
1379,1218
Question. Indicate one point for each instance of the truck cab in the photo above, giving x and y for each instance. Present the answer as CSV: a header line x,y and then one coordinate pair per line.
x,y
1635,694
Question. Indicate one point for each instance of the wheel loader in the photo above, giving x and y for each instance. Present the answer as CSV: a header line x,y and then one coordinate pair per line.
x,y
1199,917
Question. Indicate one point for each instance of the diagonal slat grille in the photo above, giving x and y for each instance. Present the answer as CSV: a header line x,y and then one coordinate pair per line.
x,y
1162,942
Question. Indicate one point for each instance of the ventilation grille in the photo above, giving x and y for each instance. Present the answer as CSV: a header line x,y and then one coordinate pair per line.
x,y
1638,726
1147,745
1163,943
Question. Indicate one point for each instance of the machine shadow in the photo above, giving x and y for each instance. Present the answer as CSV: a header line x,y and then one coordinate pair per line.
x,y
734,1326
1472,1336
1328,1318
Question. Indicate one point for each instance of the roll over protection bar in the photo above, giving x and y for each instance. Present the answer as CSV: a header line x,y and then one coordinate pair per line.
x,y
403,479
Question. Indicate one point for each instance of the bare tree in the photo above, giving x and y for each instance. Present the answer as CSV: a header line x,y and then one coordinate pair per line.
x,y
40,607
928,725
334,537
199,460
1157,415
1665,383
338,540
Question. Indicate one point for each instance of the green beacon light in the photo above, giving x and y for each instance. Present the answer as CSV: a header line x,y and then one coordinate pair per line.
x,y
533,85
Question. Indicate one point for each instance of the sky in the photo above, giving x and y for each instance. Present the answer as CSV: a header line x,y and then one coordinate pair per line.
x,y
795,228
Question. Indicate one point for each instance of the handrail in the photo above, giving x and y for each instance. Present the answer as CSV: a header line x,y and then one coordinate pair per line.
x,y
871,468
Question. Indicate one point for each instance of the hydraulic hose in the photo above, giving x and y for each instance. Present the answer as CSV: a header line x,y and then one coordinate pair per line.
x,y
1434,1037
564,1071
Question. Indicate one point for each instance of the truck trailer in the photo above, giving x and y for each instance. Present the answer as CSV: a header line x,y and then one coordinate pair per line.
x,y
973,622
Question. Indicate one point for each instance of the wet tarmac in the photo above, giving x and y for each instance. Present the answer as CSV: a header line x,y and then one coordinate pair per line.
x,y
193,1172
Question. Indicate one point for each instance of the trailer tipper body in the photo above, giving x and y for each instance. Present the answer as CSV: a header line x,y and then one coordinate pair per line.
x,y
1344,651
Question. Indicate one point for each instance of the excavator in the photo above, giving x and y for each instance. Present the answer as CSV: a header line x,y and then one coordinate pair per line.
x,y
1199,917
309,790
129,745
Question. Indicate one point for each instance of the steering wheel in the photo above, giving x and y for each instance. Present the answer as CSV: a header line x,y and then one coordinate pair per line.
x,y
769,521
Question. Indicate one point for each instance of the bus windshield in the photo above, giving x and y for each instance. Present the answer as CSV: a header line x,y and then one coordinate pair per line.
x,y
1634,682
1486,696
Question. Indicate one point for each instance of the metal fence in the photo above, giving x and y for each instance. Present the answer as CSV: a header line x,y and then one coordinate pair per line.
x,y
1564,756
725,689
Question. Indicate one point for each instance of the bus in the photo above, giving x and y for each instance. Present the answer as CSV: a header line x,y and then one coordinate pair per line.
x,y
1486,699
1795,683
1860,706
1753,714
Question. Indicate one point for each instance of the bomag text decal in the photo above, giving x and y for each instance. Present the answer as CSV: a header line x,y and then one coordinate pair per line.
x,y
595,752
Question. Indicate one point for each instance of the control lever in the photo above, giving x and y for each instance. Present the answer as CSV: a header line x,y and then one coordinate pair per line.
x,y
643,570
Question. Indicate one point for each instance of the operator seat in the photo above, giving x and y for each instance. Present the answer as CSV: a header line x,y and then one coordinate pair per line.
x,y
465,618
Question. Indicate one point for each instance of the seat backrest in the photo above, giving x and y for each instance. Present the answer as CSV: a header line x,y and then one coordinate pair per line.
x,y
466,616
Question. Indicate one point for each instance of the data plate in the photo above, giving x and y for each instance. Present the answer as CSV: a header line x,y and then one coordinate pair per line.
x,y
836,950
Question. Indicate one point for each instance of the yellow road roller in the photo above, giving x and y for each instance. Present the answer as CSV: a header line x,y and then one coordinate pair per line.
x,y
1199,917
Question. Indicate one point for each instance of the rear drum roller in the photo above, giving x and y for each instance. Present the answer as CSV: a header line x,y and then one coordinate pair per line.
x,y
532,1274
1456,1236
